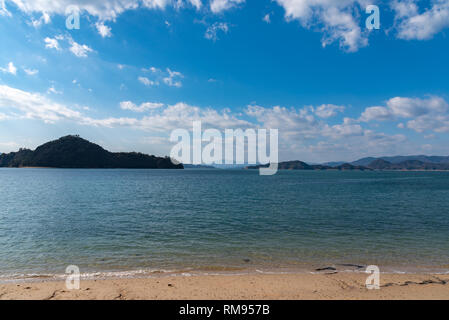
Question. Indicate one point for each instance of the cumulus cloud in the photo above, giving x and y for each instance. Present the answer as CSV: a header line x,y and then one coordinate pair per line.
x,y
343,130
302,135
415,25
376,114
52,43
103,30
79,50
430,114
436,123
103,10
10,68
217,6
402,107
328,110
128,105
338,20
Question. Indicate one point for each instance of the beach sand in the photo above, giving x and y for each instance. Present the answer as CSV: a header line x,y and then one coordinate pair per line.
x,y
347,286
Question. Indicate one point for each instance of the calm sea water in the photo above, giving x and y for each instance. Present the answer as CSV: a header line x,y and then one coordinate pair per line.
x,y
212,220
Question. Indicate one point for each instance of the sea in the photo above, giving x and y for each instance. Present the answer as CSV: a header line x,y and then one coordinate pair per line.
x,y
145,223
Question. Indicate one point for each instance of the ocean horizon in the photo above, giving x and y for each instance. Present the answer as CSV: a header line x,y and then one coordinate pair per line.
x,y
132,223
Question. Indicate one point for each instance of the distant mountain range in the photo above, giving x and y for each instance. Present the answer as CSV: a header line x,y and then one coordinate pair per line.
x,y
299,165
399,159
75,152
374,164
381,164
395,160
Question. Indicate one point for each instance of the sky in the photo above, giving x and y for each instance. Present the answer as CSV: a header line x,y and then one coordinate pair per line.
x,y
136,70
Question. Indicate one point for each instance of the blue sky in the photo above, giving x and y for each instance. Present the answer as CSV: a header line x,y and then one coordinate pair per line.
x,y
136,70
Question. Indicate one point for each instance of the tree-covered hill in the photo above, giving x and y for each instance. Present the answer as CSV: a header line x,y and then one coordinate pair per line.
x,y
75,152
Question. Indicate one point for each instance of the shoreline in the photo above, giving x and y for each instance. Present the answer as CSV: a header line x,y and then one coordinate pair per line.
x,y
212,270
225,272
323,286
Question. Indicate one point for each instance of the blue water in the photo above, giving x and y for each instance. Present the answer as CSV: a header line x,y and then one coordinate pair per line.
x,y
220,220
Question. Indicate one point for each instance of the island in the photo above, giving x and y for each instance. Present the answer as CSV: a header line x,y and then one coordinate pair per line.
x,y
375,165
76,153
299,165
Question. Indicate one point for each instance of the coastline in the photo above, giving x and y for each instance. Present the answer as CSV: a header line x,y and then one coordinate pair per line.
x,y
299,286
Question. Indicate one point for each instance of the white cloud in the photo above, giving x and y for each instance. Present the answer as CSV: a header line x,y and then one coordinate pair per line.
x,y
293,122
376,114
328,110
151,69
173,78
147,81
103,30
217,6
302,135
413,25
343,130
196,3
415,107
52,43
168,77
179,115
338,20
401,107
128,105
430,114
267,18
3,10
104,10
34,106
436,123
31,72
79,50
212,31
10,68
53,90
44,19
107,10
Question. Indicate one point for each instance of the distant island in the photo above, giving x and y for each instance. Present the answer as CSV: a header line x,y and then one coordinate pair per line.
x,y
299,165
75,152
402,163
200,166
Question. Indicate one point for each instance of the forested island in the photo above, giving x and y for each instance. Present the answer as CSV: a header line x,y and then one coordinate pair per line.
x,y
377,164
75,152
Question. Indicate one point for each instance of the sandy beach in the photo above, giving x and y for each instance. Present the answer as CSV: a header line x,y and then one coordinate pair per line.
x,y
347,286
